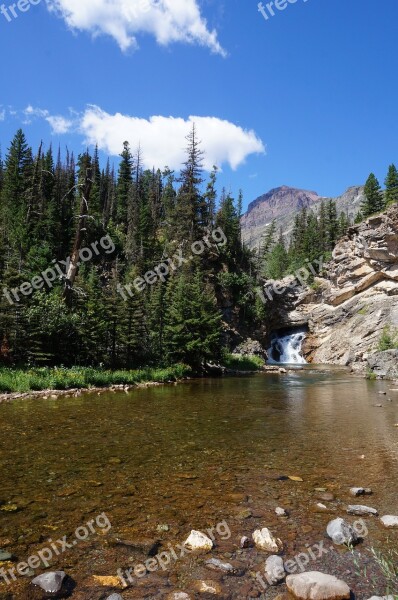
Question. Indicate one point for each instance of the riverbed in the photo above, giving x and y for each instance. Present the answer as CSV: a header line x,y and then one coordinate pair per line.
x,y
159,462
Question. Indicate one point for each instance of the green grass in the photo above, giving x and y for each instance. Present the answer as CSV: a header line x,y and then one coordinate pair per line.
x,y
238,362
60,378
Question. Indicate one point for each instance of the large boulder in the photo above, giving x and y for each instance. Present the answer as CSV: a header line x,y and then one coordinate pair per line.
x,y
384,364
317,586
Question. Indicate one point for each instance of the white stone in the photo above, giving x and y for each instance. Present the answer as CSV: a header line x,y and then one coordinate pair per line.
x,y
358,509
50,582
244,542
264,540
197,541
382,598
341,532
281,512
389,520
317,586
274,569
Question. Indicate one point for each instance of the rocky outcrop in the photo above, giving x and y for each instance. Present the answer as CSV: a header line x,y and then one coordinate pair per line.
x,y
384,364
348,307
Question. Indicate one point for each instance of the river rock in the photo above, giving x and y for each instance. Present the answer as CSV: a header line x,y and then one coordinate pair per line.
x,y
198,541
50,582
207,587
264,540
382,598
389,520
281,512
359,509
341,532
218,565
274,569
244,542
360,491
178,596
4,555
317,586
114,597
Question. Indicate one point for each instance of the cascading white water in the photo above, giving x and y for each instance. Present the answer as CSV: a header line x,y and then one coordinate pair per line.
x,y
286,348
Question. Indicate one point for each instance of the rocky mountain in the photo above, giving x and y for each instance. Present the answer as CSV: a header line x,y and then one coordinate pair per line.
x,y
283,203
348,308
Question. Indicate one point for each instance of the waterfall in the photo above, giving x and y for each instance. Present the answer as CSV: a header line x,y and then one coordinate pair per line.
x,y
286,348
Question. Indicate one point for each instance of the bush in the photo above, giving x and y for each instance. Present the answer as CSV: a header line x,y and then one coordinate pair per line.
x,y
388,340
238,362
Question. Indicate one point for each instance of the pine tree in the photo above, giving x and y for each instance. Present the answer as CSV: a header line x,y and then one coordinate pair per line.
x,y
374,201
391,195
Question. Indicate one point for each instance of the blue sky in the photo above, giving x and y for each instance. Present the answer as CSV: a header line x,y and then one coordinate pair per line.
x,y
314,86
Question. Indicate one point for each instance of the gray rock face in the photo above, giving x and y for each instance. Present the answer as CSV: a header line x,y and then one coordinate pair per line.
x,y
50,582
274,569
341,532
359,509
389,520
384,364
251,348
317,586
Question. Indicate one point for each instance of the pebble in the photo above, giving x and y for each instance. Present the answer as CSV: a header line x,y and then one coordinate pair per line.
x,y
4,555
360,491
281,512
244,542
218,565
358,509
274,569
389,520
198,541
341,532
207,587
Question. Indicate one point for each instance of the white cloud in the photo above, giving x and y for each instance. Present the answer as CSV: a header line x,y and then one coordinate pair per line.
x,y
162,139
168,21
59,124
2,114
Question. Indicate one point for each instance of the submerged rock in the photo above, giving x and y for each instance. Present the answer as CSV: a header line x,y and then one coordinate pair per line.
x,y
360,491
359,509
274,569
115,597
178,596
264,540
281,512
50,582
207,587
198,541
317,586
218,565
341,532
389,520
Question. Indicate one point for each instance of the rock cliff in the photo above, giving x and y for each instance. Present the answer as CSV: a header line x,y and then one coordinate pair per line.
x,y
348,307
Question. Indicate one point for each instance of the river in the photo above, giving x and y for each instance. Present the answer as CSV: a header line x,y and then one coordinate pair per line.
x,y
161,461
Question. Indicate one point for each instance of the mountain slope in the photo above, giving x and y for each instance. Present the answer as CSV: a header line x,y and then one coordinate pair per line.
x,y
282,205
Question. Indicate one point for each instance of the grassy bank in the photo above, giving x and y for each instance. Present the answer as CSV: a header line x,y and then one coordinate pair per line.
x,y
237,362
34,380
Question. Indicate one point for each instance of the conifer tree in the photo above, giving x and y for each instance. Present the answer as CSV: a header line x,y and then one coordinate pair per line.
x,y
374,201
391,194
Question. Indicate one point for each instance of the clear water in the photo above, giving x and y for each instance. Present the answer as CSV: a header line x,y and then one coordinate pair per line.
x,y
190,456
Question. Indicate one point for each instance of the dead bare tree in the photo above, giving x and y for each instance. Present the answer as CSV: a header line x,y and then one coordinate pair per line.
x,y
79,237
